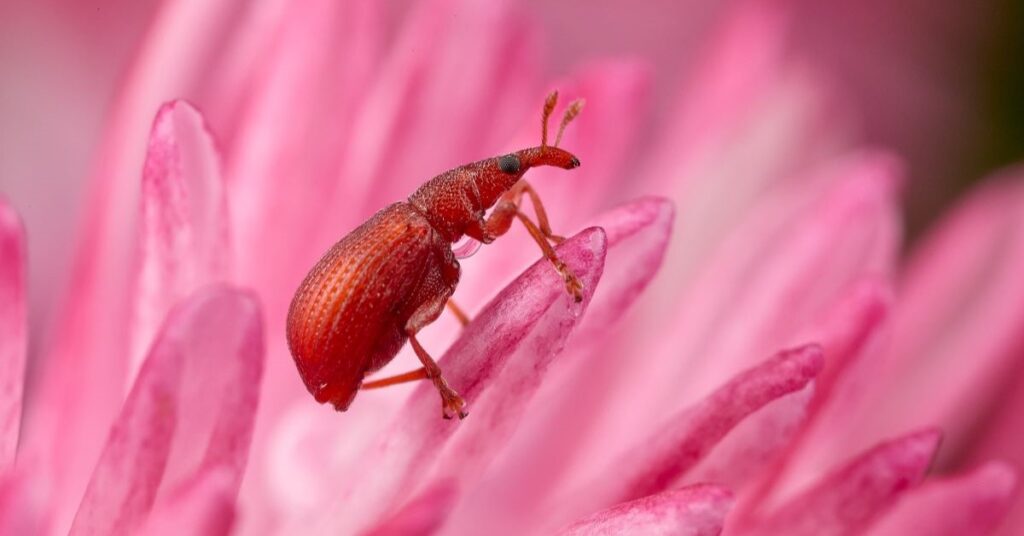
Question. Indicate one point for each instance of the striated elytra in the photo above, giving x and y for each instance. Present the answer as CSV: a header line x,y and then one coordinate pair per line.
x,y
393,275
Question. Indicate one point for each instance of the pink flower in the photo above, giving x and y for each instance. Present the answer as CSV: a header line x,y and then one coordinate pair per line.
x,y
752,356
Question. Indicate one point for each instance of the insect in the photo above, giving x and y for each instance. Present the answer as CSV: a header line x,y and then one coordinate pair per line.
x,y
393,275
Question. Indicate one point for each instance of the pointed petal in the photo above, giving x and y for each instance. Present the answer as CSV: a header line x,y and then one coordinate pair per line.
x,y
958,322
850,331
83,383
775,262
183,225
543,449
658,461
503,354
693,511
203,507
845,501
183,418
13,331
970,505
423,515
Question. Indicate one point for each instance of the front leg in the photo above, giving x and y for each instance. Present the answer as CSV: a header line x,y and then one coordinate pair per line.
x,y
499,222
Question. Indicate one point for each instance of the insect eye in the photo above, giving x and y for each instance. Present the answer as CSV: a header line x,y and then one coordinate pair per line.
x,y
509,164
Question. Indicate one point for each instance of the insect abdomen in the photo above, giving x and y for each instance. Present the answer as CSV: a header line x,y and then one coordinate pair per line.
x,y
346,317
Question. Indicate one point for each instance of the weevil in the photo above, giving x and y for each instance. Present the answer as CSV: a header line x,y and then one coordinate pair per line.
x,y
393,275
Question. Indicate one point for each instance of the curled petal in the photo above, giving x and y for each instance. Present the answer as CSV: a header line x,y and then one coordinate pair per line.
x,y
658,461
970,505
183,225
183,417
846,501
693,511
530,319
13,331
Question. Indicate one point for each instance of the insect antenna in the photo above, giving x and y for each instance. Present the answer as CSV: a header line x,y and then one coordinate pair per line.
x,y
570,113
549,107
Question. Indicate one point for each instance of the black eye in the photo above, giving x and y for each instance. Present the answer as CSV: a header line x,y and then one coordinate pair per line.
x,y
509,164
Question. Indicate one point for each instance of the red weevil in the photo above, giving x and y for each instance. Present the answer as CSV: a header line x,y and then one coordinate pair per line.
x,y
393,275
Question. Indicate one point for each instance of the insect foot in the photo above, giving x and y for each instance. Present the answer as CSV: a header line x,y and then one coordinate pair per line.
x,y
574,286
451,403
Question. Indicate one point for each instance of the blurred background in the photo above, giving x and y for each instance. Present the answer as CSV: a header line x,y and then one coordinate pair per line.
x,y
939,82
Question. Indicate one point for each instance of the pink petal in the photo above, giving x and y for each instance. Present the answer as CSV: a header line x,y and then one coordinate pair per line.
x,y
13,331
746,122
22,508
422,515
183,231
851,330
958,323
307,87
656,462
845,501
203,507
776,262
968,505
390,157
183,418
692,511
1001,439
543,449
83,379
503,354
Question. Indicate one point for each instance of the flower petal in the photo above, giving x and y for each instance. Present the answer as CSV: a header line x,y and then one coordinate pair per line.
x,y
13,331
183,225
83,379
202,507
183,418
658,461
692,511
775,262
390,157
530,319
957,325
845,501
22,510
849,331
422,515
543,449
749,119
970,505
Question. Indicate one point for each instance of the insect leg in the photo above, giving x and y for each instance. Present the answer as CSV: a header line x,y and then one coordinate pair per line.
x,y
538,210
459,314
451,403
411,376
572,283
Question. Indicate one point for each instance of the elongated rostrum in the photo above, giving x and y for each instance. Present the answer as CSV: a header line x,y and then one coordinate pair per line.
x,y
393,275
